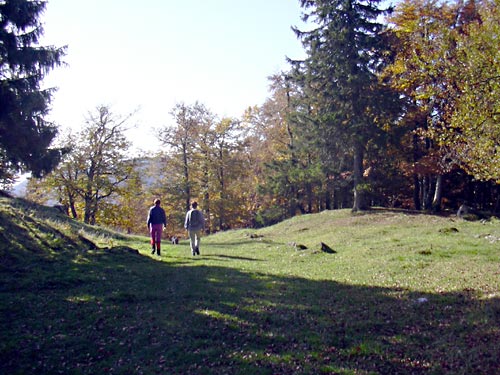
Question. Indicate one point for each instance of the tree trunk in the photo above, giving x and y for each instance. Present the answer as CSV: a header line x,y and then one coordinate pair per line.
x,y
438,193
329,194
416,192
72,208
186,176
222,187
427,195
309,198
359,193
206,208
496,209
430,195
293,201
206,196
88,209
416,180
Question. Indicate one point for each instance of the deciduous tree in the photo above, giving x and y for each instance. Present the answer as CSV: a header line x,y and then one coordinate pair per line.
x,y
426,71
474,126
182,138
103,146
93,173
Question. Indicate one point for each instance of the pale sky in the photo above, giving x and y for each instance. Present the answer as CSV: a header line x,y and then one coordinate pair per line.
x,y
151,54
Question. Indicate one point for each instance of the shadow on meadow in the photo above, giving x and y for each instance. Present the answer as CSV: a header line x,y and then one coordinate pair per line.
x,y
110,311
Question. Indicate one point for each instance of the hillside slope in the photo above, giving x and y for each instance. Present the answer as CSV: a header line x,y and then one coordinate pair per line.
x,y
31,230
402,294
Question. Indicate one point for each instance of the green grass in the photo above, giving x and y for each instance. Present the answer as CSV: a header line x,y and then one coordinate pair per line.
x,y
403,294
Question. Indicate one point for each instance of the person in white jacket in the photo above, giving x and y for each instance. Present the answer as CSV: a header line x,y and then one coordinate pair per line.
x,y
194,224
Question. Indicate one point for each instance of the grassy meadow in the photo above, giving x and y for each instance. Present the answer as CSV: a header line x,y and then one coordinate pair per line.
x,y
403,293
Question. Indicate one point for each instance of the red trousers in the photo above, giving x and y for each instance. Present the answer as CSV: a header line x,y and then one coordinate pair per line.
x,y
155,230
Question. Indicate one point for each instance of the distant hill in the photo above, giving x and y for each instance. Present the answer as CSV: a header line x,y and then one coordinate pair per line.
x,y
19,188
150,169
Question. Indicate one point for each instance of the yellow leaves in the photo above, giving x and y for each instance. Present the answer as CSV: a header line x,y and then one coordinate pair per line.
x,y
450,71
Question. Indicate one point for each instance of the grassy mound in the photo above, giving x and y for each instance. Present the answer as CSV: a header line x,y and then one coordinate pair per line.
x,y
399,293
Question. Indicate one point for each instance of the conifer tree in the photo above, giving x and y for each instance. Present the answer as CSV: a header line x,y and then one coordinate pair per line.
x,y
338,76
25,136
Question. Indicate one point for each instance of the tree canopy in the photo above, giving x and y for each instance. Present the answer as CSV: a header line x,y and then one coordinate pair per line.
x,y
25,135
339,81
398,112
93,174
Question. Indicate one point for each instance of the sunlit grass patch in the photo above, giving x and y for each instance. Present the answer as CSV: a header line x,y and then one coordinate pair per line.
x,y
87,298
232,321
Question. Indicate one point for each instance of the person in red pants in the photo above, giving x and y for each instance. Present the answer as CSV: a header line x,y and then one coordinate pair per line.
x,y
157,221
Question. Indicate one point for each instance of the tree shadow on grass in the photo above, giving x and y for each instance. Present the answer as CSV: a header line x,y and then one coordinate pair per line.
x,y
130,314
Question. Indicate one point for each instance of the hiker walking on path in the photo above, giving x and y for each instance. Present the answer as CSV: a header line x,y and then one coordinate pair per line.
x,y
194,223
157,221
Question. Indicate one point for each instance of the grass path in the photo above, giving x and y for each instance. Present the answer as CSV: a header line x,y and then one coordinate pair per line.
x,y
404,294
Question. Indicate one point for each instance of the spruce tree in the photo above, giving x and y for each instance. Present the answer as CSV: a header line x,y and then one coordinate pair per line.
x,y
25,137
344,45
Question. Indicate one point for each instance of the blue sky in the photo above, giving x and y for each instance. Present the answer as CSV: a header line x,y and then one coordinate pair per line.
x,y
151,54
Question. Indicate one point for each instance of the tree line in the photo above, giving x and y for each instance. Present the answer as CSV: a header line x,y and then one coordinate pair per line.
x,y
395,107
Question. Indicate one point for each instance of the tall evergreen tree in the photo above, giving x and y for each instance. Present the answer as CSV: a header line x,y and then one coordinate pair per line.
x,y
339,80
25,137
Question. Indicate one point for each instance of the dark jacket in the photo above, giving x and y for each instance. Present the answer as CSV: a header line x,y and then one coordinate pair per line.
x,y
157,216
